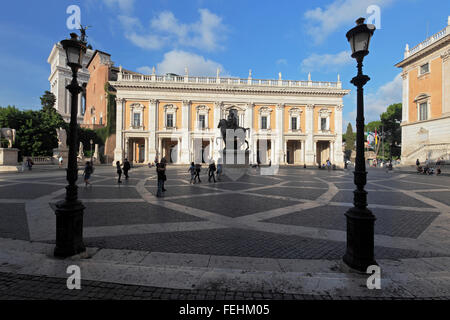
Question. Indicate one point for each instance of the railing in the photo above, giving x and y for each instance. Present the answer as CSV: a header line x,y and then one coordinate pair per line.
x,y
41,160
227,81
427,42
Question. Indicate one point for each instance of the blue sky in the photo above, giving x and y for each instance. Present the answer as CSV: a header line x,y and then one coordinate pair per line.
x,y
291,37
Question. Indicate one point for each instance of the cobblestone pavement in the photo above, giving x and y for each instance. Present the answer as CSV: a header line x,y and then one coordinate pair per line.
x,y
25,287
293,214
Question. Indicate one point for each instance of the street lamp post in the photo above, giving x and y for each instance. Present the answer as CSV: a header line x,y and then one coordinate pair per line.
x,y
360,220
69,212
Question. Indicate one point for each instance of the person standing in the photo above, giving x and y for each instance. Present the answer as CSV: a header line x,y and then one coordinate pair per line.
x,y
211,172
88,170
119,172
192,172
126,168
60,161
164,166
328,164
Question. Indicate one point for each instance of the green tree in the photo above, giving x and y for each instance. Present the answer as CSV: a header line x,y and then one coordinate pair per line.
x,y
371,126
35,130
48,101
349,138
390,121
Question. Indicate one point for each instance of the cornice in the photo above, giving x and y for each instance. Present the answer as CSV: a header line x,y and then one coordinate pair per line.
x,y
175,87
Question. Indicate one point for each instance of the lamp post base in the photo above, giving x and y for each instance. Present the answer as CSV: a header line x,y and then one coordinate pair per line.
x,y
360,239
69,229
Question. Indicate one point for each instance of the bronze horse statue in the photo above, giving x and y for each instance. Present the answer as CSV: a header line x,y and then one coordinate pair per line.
x,y
224,125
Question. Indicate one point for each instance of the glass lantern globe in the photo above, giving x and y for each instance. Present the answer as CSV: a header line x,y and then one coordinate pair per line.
x,y
359,38
75,51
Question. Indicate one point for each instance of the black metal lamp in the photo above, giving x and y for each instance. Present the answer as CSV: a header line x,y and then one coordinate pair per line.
x,y
69,212
360,220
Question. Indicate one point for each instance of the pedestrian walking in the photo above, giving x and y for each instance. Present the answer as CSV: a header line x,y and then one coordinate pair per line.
x,y
126,168
198,169
211,171
161,172
328,164
119,172
219,171
192,172
88,170
60,161
29,164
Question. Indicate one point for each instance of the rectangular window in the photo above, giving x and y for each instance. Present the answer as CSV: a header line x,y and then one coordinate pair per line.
x,y
264,123
323,124
423,111
169,120
136,120
294,123
424,68
202,121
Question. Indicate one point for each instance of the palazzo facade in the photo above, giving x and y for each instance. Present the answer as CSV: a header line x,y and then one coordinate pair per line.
x,y
177,117
426,99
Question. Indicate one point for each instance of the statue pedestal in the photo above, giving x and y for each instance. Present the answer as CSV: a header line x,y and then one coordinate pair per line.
x,y
8,159
235,157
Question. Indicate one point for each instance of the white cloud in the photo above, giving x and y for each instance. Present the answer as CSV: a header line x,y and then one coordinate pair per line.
x,y
326,62
145,70
176,61
377,103
323,22
124,5
165,30
282,62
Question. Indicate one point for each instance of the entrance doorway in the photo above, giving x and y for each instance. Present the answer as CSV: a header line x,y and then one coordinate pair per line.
x,y
323,151
136,150
170,150
294,149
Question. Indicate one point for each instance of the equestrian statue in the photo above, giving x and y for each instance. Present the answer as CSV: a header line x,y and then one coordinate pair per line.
x,y
231,123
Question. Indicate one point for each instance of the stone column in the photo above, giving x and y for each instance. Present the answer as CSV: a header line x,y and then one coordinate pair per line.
x,y
160,152
118,152
127,148
332,152
405,97
303,151
152,127
279,114
309,124
286,160
179,152
217,135
338,155
249,118
185,131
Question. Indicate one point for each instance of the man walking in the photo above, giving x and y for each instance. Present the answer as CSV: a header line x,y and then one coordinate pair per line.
x,y
211,171
198,169
161,172
126,168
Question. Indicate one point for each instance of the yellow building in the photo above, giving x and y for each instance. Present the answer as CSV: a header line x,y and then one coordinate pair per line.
x,y
177,117
426,99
